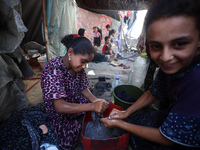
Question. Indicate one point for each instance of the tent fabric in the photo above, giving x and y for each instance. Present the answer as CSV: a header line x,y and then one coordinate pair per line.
x,y
12,27
88,20
115,4
32,18
61,20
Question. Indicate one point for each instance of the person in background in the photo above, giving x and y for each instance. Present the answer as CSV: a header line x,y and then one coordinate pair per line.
x,y
97,37
173,33
98,57
65,90
112,35
107,48
108,28
82,32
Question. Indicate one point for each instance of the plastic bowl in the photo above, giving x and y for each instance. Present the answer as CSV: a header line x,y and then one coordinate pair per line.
x,y
130,90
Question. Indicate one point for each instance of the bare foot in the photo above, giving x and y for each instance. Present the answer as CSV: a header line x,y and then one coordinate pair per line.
x,y
44,128
112,57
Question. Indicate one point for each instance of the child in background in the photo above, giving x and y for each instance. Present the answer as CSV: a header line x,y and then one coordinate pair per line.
x,y
108,27
107,48
112,35
97,37
173,33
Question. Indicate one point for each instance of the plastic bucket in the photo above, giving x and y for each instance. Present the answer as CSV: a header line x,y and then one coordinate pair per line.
x,y
116,143
130,90
42,61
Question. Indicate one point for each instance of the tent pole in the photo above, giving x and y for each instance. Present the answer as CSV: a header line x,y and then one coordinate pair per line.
x,y
45,28
120,17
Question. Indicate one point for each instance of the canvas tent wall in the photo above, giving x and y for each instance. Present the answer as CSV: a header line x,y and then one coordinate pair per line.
x,y
107,7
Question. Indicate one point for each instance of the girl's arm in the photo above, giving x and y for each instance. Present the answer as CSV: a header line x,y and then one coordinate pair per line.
x,y
146,99
62,106
89,95
148,133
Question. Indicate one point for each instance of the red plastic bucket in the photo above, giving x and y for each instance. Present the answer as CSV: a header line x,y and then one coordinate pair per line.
x,y
116,143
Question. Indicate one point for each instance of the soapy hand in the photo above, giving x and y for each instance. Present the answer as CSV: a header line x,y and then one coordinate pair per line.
x,y
117,114
108,123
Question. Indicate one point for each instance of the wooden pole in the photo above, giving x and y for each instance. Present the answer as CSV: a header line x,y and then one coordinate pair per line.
x,y
45,28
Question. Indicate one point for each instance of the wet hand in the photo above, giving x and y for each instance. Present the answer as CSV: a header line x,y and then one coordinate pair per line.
x,y
100,105
117,114
108,123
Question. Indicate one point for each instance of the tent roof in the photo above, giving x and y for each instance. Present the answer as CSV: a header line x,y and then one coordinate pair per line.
x,y
111,7
130,5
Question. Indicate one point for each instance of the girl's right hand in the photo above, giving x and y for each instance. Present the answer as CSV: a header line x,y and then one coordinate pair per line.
x,y
118,114
100,105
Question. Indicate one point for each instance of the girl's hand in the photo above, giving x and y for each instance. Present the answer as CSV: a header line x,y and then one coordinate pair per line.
x,y
108,123
100,105
117,114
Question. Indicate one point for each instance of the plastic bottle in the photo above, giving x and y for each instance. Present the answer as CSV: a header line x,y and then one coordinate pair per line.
x,y
115,83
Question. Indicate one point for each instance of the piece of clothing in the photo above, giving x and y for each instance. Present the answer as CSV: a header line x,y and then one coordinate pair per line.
x,y
110,32
150,73
152,119
97,39
57,82
21,130
105,49
98,57
181,92
123,96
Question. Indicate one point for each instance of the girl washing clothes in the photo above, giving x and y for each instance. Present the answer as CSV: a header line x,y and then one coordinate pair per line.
x,y
65,90
173,33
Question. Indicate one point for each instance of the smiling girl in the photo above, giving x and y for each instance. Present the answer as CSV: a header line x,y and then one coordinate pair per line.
x,y
65,90
173,33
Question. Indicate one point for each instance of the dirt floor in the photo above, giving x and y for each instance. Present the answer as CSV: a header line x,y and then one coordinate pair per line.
x,y
93,70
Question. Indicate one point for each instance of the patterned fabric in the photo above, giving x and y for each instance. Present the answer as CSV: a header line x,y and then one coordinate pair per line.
x,y
185,132
56,83
21,130
96,34
152,119
181,91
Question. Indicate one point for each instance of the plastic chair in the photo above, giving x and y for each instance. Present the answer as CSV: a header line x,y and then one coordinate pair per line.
x,y
118,40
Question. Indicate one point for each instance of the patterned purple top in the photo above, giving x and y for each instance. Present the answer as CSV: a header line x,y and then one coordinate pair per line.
x,y
57,82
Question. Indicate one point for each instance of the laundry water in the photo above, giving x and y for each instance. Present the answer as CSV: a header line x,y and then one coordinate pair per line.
x,y
95,129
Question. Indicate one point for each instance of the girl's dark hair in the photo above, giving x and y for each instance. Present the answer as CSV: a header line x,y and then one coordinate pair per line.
x,y
168,8
80,45
81,31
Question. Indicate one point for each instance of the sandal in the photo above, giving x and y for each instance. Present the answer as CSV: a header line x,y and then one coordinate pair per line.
x,y
126,67
121,65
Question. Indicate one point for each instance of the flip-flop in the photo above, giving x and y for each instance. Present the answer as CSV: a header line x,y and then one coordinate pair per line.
x,y
126,67
121,65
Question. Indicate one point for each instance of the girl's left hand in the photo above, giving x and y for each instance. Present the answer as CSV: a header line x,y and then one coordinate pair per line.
x,y
108,123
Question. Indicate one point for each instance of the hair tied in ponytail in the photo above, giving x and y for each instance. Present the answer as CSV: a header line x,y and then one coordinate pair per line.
x,y
75,35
